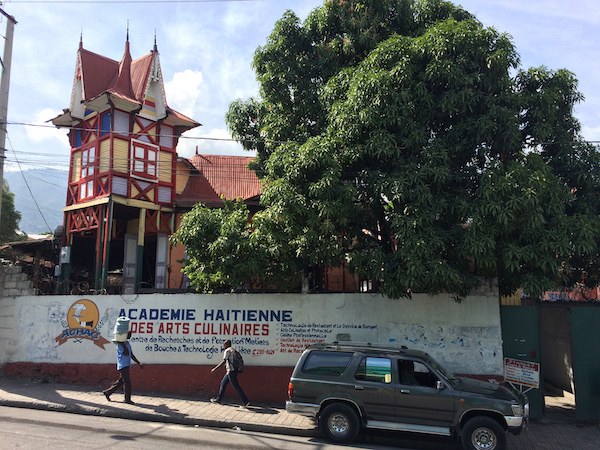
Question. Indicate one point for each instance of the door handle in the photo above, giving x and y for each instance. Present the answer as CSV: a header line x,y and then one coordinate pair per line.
x,y
405,391
359,388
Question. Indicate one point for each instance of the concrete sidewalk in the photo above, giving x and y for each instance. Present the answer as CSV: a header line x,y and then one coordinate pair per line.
x,y
558,430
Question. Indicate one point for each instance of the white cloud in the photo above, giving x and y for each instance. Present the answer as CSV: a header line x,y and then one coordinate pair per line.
x,y
214,142
207,48
183,91
40,131
580,10
591,134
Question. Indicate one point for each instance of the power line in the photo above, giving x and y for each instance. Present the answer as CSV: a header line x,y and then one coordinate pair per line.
x,y
205,138
103,2
163,169
154,135
29,189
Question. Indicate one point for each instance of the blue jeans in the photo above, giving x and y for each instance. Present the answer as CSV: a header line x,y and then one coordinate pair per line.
x,y
231,377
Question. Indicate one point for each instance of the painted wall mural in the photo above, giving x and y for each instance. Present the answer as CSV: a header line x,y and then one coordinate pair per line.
x,y
269,330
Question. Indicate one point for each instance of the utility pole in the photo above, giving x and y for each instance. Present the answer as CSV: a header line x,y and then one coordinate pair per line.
x,y
4,82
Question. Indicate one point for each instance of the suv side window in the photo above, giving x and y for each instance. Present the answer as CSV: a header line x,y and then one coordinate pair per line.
x,y
326,363
415,373
374,369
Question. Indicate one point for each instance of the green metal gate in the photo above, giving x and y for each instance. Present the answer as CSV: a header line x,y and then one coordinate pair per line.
x,y
585,342
520,334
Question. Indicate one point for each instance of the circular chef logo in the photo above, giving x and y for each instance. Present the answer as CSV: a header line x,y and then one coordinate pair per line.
x,y
83,314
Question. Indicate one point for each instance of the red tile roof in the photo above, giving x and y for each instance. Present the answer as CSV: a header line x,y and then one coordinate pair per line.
x,y
219,175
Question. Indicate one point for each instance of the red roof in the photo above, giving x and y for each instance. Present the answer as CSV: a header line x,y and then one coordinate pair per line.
x,y
219,175
126,79
98,73
140,71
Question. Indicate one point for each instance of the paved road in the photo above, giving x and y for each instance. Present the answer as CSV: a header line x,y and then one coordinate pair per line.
x,y
559,430
51,430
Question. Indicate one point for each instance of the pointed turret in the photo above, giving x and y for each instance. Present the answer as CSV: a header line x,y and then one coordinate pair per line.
x,y
129,85
123,83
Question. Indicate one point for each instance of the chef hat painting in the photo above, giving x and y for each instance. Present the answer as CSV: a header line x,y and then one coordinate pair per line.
x,y
122,329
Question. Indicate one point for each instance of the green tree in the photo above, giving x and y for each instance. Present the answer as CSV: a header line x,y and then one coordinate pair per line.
x,y
225,252
9,222
401,138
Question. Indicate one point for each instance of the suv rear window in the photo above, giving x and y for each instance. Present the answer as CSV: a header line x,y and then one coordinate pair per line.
x,y
374,369
326,363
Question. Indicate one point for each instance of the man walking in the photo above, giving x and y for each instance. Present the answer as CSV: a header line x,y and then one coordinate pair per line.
x,y
124,357
230,375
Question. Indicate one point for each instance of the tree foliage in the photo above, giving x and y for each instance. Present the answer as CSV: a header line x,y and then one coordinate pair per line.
x,y
9,222
401,138
226,252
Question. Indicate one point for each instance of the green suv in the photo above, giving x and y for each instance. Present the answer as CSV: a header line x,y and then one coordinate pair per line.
x,y
349,386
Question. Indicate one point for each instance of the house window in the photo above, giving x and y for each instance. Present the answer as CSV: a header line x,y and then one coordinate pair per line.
x,y
105,123
144,160
78,138
88,172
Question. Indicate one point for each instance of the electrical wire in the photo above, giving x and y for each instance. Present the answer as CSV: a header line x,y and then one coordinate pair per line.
x,y
163,169
29,188
224,170
102,2
154,135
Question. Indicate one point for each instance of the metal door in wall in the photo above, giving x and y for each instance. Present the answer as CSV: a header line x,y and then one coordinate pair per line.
x,y
162,251
585,341
130,264
520,335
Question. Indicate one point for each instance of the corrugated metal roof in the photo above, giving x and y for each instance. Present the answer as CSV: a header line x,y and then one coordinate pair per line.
x,y
126,79
123,82
219,175
140,71
98,73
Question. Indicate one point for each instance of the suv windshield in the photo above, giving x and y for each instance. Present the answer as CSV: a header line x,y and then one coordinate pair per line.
x,y
449,376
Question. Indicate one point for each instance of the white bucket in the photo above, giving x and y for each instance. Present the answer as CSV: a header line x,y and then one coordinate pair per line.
x,y
122,337
121,329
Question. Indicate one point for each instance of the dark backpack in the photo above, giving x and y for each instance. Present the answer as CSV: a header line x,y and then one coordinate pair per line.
x,y
238,361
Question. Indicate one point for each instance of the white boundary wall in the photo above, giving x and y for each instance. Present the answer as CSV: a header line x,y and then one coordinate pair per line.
x,y
269,329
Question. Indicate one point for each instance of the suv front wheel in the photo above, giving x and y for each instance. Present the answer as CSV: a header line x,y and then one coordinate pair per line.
x,y
339,423
483,433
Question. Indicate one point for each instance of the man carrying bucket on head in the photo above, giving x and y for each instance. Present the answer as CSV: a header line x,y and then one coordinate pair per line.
x,y
124,357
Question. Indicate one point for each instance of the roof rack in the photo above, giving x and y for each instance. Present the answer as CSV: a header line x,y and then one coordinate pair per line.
x,y
339,345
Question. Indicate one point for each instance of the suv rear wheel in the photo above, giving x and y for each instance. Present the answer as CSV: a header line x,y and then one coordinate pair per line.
x,y
483,433
339,423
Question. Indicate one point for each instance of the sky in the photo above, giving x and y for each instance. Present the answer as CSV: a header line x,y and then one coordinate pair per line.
x,y
206,50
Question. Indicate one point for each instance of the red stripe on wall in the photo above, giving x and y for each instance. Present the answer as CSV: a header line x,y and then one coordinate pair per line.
x,y
261,384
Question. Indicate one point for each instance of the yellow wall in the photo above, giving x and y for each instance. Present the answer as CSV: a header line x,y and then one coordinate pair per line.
x,y
121,156
165,166
104,156
133,226
76,173
183,175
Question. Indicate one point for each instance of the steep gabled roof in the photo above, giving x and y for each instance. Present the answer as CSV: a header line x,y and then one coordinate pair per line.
x,y
96,72
98,78
123,82
216,176
140,73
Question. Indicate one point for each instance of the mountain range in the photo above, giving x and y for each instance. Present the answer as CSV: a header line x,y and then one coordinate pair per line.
x,y
40,195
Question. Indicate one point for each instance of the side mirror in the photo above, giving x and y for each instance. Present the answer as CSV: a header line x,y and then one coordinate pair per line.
x,y
439,385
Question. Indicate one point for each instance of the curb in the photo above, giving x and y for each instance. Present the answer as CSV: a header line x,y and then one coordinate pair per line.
x,y
146,417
